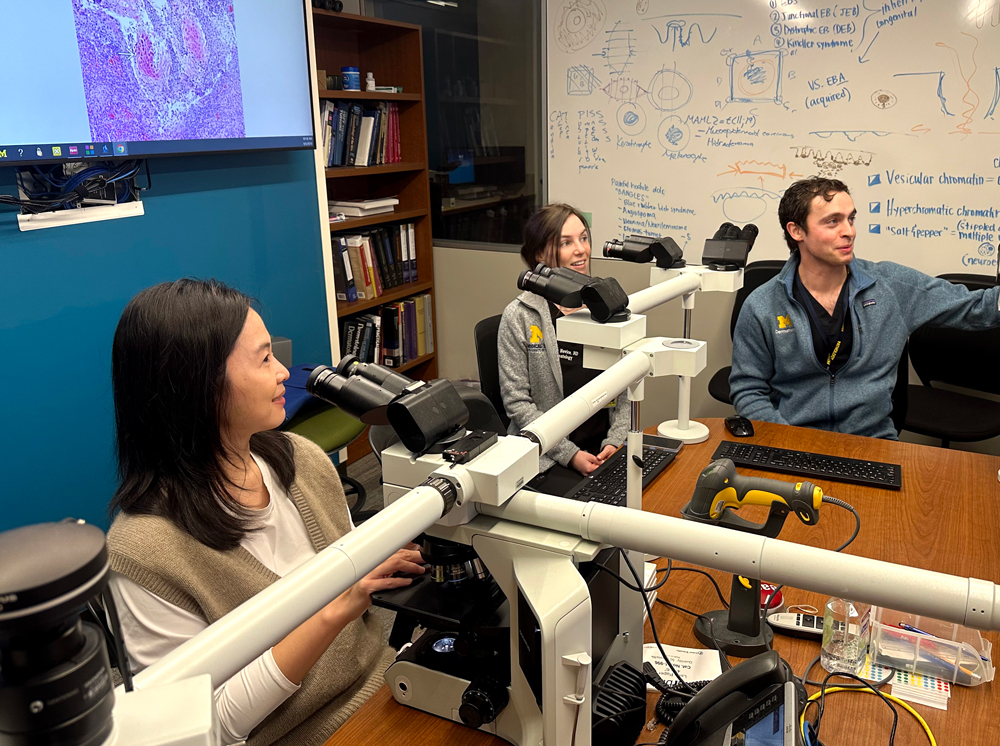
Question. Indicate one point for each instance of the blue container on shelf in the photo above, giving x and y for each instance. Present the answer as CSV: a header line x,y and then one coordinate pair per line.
x,y
352,78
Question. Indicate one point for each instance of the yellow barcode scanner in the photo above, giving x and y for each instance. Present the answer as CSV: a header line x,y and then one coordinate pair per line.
x,y
719,487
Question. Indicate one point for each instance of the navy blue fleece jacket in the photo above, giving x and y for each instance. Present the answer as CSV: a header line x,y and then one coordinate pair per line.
x,y
777,378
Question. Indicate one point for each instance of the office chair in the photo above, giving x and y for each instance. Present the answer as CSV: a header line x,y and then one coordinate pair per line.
x,y
955,357
486,334
901,391
754,275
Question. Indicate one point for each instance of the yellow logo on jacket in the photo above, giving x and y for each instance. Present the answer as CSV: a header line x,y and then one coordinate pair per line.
x,y
536,335
784,322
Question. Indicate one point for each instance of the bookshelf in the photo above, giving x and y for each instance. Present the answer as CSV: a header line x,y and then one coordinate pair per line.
x,y
392,51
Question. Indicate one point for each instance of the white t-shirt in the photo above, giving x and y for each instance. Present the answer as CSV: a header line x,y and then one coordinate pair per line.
x,y
153,627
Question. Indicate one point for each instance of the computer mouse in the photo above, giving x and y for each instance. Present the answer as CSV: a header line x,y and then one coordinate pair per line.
x,y
741,427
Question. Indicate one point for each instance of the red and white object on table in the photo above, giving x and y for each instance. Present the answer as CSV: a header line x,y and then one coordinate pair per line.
x,y
777,603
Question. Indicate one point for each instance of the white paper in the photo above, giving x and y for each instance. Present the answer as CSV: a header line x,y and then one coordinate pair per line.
x,y
693,664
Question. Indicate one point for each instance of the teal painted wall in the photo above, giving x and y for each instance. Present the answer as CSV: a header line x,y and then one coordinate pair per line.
x,y
249,220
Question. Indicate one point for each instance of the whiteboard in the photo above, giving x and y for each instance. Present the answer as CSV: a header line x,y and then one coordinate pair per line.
x,y
669,117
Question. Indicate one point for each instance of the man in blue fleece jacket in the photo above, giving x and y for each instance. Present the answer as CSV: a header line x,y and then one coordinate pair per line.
x,y
818,345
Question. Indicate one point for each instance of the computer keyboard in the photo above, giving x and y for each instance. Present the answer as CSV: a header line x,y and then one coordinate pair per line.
x,y
607,483
812,465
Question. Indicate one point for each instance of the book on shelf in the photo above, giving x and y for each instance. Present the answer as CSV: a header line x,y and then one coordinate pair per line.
x,y
351,135
411,233
377,350
373,144
383,126
410,333
368,136
339,282
362,283
363,204
353,132
428,323
367,333
393,335
392,268
347,331
398,245
363,208
339,135
374,248
396,144
421,326
343,273
354,212
388,250
353,338
364,140
368,256
392,356
326,118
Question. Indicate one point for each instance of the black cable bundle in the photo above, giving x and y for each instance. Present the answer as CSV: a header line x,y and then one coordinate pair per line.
x,y
50,188
673,697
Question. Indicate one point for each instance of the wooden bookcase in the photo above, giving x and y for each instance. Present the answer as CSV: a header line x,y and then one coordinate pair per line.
x,y
393,52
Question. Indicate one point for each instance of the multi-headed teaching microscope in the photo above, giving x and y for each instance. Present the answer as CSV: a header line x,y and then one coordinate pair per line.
x,y
525,636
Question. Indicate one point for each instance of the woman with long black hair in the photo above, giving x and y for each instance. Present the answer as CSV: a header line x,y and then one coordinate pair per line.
x,y
214,505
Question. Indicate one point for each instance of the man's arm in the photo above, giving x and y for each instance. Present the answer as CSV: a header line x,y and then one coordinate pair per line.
x,y
925,299
753,368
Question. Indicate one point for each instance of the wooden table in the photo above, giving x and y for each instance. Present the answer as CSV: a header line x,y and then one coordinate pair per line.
x,y
946,518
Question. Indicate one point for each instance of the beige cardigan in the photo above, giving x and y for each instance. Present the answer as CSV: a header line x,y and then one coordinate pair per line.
x,y
153,552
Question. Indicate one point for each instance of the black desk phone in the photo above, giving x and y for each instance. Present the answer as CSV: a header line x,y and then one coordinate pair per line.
x,y
755,703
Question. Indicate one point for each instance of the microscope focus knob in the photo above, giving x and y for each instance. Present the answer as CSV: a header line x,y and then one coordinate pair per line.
x,y
482,701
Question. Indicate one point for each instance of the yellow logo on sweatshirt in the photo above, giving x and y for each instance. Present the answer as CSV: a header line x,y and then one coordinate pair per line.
x,y
536,335
784,322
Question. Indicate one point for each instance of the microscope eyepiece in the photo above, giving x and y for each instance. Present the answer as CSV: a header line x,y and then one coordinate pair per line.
x,y
642,249
561,286
728,248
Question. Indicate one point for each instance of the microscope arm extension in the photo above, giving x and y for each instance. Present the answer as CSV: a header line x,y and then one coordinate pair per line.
x,y
230,643
969,601
661,293
551,427
226,646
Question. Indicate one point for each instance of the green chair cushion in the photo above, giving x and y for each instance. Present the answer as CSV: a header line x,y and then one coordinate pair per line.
x,y
331,429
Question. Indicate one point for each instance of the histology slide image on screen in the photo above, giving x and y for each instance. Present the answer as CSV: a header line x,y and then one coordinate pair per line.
x,y
160,69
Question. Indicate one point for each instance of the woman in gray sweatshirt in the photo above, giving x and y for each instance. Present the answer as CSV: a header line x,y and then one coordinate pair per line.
x,y
536,370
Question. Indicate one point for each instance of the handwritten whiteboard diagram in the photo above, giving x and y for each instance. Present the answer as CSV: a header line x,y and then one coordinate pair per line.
x,y
669,90
755,77
681,114
577,23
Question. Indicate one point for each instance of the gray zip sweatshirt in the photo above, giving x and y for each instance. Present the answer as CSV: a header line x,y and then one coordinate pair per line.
x,y
531,376
777,378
